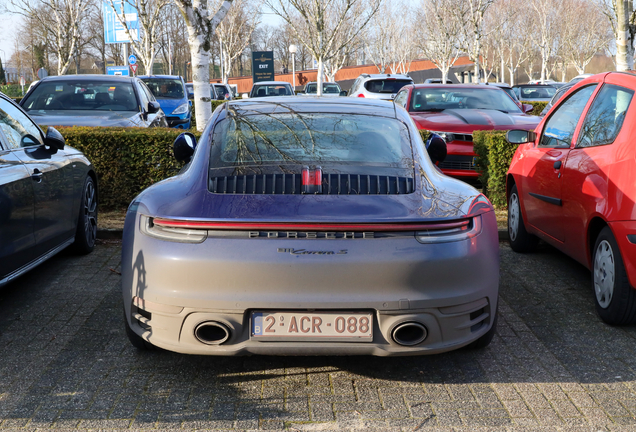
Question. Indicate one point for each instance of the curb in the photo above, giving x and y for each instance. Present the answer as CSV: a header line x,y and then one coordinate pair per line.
x,y
116,234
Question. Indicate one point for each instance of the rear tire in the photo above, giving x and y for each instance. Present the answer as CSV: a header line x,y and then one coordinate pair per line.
x,y
614,297
136,340
86,232
520,239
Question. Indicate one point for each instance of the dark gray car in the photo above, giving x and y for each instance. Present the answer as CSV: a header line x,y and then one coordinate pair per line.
x,y
48,194
93,100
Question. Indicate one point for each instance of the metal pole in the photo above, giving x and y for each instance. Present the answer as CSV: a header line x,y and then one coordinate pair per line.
x,y
169,56
294,71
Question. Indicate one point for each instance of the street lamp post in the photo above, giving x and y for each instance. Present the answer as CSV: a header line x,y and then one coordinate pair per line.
x,y
292,50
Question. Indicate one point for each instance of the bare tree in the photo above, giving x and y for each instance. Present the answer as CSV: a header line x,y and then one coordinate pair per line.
x,y
235,32
321,21
546,30
62,19
442,29
622,18
201,27
472,13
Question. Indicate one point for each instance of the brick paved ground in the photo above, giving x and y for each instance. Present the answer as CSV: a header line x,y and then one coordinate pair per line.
x,y
65,363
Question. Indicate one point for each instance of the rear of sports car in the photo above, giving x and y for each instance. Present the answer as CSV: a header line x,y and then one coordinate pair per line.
x,y
310,234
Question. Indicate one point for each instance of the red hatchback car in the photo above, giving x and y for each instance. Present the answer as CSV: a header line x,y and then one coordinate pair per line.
x,y
454,111
572,183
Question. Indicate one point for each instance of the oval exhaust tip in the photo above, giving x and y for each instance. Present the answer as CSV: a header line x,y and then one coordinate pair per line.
x,y
409,333
212,333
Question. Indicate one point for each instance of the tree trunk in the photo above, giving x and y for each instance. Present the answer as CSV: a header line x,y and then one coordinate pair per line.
x,y
624,39
319,77
201,79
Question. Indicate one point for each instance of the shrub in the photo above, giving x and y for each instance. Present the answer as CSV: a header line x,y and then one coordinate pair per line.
x,y
215,104
537,106
494,155
425,134
127,160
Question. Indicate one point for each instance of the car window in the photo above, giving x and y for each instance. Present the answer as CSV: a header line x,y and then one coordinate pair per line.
x,y
538,92
74,94
16,126
388,85
559,129
605,117
165,88
440,98
401,98
272,139
143,96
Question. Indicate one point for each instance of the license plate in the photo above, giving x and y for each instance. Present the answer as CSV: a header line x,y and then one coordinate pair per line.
x,y
313,326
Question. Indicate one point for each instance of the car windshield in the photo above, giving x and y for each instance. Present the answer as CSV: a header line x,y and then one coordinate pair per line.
x,y
536,92
294,138
82,95
326,88
441,98
221,91
388,85
270,90
165,88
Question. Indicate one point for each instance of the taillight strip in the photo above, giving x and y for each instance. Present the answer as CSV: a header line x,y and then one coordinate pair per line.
x,y
242,226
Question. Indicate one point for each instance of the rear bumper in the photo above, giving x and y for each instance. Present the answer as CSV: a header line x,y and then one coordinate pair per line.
x,y
625,233
224,280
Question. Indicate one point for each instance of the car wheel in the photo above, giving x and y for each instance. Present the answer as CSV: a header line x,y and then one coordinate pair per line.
x,y
520,239
485,340
136,340
615,298
86,232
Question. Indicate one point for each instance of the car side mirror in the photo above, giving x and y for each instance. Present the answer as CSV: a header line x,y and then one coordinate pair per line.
x,y
343,93
54,139
527,108
153,107
520,136
436,148
183,147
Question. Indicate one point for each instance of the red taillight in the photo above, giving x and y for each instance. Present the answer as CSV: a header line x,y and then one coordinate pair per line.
x,y
360,95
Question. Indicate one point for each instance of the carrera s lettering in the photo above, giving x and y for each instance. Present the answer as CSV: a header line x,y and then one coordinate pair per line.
x,y
311,235
306,252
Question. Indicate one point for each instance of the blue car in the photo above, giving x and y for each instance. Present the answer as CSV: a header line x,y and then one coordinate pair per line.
x,y
170,92
310,226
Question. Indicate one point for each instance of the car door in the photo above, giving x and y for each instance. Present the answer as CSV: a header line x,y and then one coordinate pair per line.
x,y
17,241
51,177
157,119
542,183
587,185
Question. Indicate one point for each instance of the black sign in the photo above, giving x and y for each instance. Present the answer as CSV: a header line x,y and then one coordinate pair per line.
x,y
263,66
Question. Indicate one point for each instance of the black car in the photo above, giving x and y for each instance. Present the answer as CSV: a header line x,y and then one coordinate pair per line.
x,y
48,194
93,100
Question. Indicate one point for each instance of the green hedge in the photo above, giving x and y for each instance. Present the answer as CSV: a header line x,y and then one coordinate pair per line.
x,y
494,155
537,107
215,104
127,160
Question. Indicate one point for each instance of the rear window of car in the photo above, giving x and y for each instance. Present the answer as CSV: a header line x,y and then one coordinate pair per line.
x,y
440,98
539,92
326,88
271,90
82,95
388,85
310,139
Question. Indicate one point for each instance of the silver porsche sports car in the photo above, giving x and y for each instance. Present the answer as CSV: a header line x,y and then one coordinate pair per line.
x,y
310,226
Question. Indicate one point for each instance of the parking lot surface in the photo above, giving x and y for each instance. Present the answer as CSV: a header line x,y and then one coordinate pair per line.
x,y
65,363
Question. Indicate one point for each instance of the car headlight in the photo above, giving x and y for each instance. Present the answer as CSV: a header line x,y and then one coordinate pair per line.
x,y
175,234
181,109
446,135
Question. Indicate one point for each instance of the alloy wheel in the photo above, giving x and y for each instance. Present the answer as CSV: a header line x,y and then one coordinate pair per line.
x,y
514,214
90,213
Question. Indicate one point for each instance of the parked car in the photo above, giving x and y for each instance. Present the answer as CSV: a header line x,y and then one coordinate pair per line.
x,y
93,100
271,88
379,86
454,111
572,184
436,81
170,92
190,90
305,226
48,194
220,91
534,92
557,96
580,77
329,89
